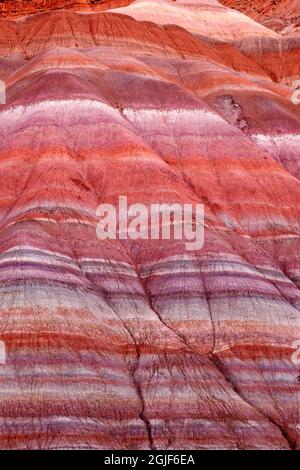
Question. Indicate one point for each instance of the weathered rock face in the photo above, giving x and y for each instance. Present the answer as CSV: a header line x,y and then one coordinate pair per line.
x,y
10,8
277,54
275,14
142,344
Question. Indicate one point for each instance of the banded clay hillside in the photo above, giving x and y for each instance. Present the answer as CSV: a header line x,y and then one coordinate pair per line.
x,y
143,344
15,8
275,14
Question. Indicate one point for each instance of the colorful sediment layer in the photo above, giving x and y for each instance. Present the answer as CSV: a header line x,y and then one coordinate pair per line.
x,y
275,14
123,344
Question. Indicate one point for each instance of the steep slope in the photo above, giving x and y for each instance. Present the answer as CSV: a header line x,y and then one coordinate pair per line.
x,y
125,344
13,8
277,55
209,19
275,14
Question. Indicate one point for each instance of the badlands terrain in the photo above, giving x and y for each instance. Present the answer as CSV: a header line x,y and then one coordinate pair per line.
x,y
141,344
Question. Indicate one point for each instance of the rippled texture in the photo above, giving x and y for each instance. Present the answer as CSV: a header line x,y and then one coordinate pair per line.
x,y
14,8
123,344
275,14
